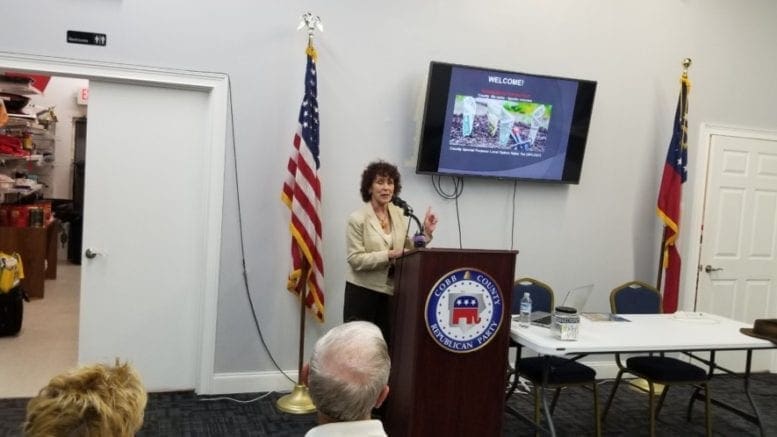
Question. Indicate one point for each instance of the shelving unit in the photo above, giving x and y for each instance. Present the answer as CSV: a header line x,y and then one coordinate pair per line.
x,y
41,136
38,248
33,158
25,170
42,141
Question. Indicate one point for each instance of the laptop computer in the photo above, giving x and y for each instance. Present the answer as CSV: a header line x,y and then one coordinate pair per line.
x,y
575,298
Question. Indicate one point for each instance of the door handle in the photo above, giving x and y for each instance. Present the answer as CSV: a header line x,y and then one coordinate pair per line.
x,y
91,254
709,269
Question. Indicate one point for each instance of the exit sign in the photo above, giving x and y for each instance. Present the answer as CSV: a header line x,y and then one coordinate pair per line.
x,y
82,98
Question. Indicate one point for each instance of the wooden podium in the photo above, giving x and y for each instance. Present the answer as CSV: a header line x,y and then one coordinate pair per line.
x,y
434,390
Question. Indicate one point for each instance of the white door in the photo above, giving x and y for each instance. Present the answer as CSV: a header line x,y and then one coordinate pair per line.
x,y
145,216
738,262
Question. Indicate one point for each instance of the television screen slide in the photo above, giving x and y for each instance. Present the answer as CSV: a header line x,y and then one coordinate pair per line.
x,y
504,124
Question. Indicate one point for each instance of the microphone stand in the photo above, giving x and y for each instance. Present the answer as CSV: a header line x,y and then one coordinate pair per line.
x,y
417,242
409,213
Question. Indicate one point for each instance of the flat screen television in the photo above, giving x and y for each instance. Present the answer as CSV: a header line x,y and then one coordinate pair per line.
x,y
502,124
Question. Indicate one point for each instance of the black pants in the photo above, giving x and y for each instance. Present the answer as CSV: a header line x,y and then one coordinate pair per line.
x,y
368,305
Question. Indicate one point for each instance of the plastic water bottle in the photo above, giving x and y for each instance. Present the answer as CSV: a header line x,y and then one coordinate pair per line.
x,y
524,318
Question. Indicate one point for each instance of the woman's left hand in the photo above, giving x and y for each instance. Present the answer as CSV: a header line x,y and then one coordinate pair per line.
x,y
430,222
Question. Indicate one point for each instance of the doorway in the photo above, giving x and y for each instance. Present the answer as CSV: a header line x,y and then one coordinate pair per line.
x,y
131,305
736,224
48,341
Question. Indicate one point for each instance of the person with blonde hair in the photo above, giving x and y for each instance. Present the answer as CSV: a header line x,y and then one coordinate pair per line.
x,y
90,401
347,377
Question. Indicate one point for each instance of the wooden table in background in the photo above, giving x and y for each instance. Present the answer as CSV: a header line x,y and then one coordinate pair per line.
x,y
38,249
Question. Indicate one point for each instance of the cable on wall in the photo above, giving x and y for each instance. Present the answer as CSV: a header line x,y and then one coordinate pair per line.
x,y
242,241
512,225
458,188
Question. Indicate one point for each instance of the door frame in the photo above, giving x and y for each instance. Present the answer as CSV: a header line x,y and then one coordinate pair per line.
x,y
217,86
690,274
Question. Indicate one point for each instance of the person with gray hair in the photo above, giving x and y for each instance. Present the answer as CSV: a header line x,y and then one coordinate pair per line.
x,y
347,377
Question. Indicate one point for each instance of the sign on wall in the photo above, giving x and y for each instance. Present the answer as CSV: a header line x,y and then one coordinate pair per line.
x,y
464,310
88,38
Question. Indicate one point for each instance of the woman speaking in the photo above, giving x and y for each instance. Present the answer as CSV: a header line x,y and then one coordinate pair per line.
x,y
376,236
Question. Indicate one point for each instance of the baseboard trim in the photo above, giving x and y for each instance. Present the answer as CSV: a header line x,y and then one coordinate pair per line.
x,y
252,382
260,382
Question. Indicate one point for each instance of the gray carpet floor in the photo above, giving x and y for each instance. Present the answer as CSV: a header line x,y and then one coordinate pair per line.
x,y
186,414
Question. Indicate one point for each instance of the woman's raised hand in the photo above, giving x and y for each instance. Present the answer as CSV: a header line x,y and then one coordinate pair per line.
x,y
430,222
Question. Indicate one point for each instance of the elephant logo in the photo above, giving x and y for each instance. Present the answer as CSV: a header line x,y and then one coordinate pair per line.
x,y
465,308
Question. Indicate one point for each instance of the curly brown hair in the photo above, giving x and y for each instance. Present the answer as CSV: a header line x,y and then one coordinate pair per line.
x,y
95,400
375,169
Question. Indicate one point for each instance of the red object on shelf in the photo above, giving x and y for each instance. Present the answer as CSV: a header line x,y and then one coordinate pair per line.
x,y
19,216
12,146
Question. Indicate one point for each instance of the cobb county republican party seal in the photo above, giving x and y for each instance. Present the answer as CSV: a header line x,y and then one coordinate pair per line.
x,y
464,310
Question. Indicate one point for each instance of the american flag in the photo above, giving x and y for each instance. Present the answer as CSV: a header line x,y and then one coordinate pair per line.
x,y
669,197
302,194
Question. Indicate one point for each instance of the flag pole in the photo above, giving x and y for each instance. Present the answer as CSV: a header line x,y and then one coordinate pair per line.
x,y
299,401
686,64
661,259
640,382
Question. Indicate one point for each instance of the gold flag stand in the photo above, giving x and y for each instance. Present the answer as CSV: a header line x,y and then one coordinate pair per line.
x,y
641,385
298,401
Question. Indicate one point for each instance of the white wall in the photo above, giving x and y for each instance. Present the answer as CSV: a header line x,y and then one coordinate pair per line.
x,y
373,61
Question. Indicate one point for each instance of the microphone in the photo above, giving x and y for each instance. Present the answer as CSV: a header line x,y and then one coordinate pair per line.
x,y
419,240
396,200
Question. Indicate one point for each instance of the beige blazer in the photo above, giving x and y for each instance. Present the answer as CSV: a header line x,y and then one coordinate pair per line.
x,y
368,247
